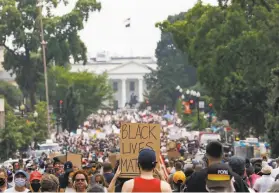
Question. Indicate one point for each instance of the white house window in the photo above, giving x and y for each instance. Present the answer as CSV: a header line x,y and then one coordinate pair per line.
x,y
115,86
132,86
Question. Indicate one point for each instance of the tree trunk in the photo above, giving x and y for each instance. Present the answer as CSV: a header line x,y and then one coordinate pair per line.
x,y
32,95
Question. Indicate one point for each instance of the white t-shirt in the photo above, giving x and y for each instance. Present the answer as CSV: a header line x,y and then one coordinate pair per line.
x,y
14,190
263,183
69,190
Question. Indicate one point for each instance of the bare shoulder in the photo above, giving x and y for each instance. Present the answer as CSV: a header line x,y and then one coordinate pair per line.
x,y
128,186
165,187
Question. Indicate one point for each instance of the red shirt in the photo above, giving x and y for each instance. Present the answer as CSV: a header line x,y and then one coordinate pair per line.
x,y
144,185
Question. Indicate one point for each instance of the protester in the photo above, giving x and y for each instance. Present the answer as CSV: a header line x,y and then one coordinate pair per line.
x,y
3,180
49,183
214,155
146,182
263,183
107,170
238,167
219,178
80,181
178,180
35,181
21,178
96,188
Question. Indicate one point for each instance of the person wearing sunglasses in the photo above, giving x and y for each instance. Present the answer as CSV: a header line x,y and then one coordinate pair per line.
x,y
80,181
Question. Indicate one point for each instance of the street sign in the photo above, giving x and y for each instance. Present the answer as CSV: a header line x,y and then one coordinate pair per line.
x,y
201,104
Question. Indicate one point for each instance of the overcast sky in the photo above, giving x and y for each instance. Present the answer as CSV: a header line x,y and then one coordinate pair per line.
x,y
105,30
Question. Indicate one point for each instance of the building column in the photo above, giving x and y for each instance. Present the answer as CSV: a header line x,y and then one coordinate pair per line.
x,y
140,89
123,95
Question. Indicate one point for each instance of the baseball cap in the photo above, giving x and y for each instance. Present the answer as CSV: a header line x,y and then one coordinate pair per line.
x,y
68,165
219,176
147,156
21,172
179,176
35,176
237,164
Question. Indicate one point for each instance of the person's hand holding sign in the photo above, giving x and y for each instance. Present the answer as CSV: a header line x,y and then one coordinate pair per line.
x,y
159,172
111,187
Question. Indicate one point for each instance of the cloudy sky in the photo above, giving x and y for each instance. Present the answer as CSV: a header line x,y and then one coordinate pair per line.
x,y
105,30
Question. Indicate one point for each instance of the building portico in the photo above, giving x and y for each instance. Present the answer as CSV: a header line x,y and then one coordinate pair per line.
x,y
126,77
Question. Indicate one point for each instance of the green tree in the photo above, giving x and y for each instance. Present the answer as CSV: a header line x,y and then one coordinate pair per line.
x,y
40,130
272,116
81,92
16,134
20,21
234,49
11,93
173,69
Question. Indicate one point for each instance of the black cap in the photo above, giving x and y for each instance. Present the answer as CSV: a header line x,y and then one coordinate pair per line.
x,y
219,176
147,156
237,164
68,165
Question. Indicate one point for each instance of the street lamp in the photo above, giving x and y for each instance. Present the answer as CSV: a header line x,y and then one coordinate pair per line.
x,y
43,42
178,87
35,114
22,108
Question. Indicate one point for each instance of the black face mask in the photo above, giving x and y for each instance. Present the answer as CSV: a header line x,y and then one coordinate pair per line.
x,y
2,182
36,187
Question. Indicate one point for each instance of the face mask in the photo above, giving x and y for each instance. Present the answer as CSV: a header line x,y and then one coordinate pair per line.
x,y
2,182
36,186
20,182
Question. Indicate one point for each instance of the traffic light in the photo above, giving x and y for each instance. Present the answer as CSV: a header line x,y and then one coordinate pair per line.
x,y
60,106
192,104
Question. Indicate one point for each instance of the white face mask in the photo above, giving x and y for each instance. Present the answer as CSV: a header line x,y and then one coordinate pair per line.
x,y
20,182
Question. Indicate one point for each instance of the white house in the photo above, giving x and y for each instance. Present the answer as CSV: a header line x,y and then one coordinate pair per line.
x,y
126,74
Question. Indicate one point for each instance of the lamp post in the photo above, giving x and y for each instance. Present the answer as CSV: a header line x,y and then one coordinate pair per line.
x,y
35,114
40,6
197,95
22,108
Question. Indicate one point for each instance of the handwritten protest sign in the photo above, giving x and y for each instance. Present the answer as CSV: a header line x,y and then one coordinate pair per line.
x,y
76,159
133,138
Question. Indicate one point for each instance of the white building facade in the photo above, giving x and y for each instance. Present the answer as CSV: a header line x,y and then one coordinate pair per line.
x,y
125,74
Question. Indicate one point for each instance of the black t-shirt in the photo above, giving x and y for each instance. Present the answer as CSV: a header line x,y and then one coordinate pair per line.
x,y
197,182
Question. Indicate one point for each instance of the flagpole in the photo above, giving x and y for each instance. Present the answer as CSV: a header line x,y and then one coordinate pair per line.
x,y
128,25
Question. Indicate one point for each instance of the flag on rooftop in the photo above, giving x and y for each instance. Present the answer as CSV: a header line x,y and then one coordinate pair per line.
x,y
127,22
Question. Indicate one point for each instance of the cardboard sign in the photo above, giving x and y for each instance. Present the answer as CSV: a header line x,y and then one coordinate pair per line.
x,y
173,154
133,138
113,158
76,159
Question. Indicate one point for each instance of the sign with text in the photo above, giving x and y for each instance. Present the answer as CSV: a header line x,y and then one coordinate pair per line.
x,y
133,138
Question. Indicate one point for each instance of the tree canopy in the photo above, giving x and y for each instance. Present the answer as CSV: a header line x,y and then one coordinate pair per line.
x,y
173,69
11,93
234,47
20,22
81,92
20,132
